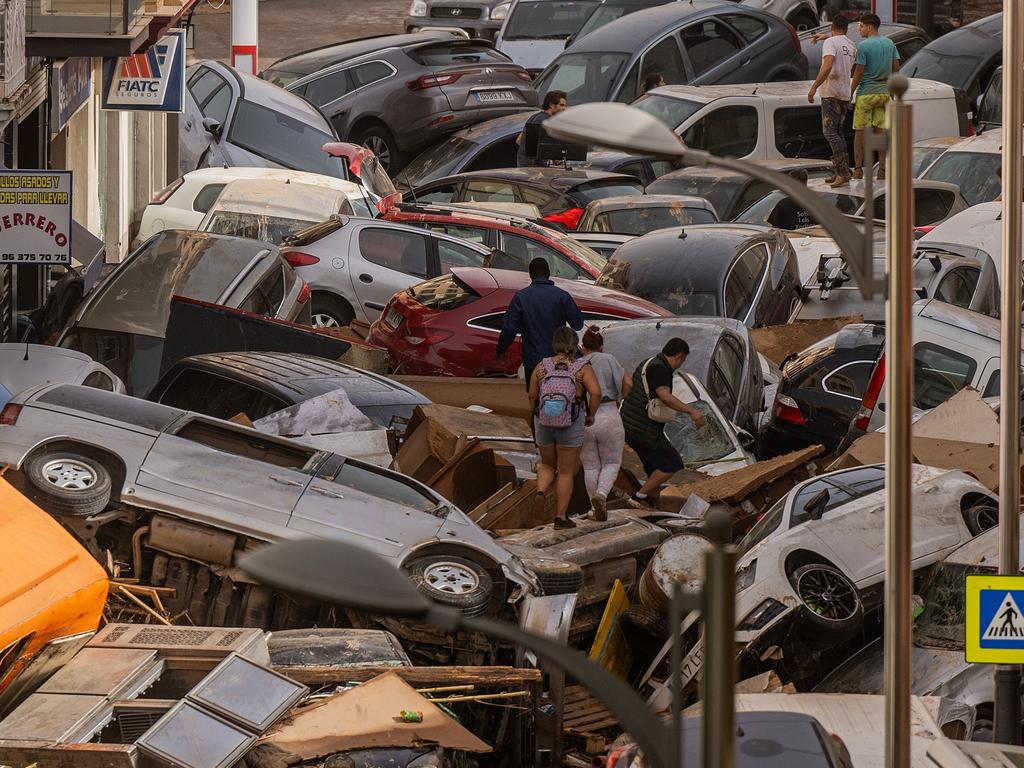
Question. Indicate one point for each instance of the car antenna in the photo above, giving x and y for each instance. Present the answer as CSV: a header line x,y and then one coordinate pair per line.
x,y
682,233
26,351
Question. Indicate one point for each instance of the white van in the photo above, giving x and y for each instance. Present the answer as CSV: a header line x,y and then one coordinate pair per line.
x,y
953,348
769,120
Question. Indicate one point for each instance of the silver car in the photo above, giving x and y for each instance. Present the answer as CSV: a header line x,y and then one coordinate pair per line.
x,y
206,489
29,365
638,215
354,266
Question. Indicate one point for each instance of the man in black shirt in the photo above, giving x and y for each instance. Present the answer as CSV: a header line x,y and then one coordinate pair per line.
x,y
645,435
533,132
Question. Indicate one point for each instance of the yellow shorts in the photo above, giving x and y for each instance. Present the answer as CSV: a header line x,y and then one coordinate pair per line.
x,y
869,111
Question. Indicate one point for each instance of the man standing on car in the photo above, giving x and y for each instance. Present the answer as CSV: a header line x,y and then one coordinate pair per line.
x,y
837,55
533,133
652,380
536,311
876,59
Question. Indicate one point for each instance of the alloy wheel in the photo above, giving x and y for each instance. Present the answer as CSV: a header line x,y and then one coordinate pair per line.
x,y
453,578
827,594
69,474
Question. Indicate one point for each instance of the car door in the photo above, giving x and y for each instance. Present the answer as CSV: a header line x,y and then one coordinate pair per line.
x,y
745,282
390,260
447,254
367,506
205,97
665,58
523,250
227,473
712,49
727,128
328,93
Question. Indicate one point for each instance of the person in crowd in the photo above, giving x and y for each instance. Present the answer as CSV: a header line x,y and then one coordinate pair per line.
x,y
533,131
838,54
652,384
652,81
604,439
536,311
876,59
564,395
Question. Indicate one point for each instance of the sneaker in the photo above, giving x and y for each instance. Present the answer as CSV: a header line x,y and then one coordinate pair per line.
x,y
600,507
838,181
564,522
857,174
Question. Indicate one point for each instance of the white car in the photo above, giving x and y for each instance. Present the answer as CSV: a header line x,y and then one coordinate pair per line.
x,y
183,203
717,447
271,210
973,165
818,555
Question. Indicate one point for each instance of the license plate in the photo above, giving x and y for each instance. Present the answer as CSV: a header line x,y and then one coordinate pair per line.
x,y
482,96
393,318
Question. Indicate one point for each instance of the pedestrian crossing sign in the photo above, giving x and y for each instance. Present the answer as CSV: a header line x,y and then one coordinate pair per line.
x,y
994,620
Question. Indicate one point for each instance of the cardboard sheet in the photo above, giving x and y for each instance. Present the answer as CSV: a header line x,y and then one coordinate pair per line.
x,y
368,717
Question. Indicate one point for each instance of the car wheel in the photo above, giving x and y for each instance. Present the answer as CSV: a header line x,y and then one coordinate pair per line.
x,y
828,599
331,312
69,483
645,630
453,581
981,516
379,139
557,577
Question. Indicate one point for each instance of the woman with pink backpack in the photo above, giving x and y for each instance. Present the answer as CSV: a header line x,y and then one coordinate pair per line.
x,y
564,394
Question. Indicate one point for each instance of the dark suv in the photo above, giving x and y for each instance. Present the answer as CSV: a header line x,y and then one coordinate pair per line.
x,y
398,93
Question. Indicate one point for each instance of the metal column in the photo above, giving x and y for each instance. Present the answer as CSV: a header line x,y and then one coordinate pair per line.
x,y
1007,713
245,35
718,736
899,210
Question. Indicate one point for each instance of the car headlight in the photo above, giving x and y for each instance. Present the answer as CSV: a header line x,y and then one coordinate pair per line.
x,y
500,11
418,8
745,575
762,615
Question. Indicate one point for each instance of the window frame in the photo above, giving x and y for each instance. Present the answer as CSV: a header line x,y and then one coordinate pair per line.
x,y
947,353
870,364
758,280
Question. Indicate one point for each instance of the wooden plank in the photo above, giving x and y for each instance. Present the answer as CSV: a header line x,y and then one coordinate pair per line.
x,y
25,753
486,677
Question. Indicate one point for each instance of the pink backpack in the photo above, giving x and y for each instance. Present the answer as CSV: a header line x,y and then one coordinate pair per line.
x,y
557,401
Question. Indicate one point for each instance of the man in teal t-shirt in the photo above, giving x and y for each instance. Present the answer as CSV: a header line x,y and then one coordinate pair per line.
x,y
877,58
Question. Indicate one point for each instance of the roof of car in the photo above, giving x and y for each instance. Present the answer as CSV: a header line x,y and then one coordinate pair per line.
x,y
781,164
555,178
855,187
919,89
939,141
965,319
278,175
983,35
633,340
624,202
887,29
485,281
260,91
630,33
273,198
26,365
982,550
977,227
989,142
298,376
704,252
312,60
497,220
852,336
606,158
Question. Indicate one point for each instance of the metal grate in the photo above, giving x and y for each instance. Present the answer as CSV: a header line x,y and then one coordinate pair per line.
x,y
158,636
133,723
229,638
454,13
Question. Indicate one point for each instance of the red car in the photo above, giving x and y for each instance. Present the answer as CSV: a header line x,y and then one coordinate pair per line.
x,y
517,240
449,326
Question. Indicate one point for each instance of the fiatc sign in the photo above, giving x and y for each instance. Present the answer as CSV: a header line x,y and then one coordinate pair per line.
x,y
153,81
994,622
35,217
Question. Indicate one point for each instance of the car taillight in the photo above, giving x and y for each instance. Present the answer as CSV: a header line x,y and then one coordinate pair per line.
x,y
920,232
523,75
795,36
161,197
304,294
9,415
442,119
418,335
787,409
863,417
570,218
434,81
300,259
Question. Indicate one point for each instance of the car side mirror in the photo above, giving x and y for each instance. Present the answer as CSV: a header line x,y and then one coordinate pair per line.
x,y
816,506
212,127
746,439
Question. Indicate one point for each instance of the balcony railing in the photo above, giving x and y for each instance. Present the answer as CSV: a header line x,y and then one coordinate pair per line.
x,y
83,17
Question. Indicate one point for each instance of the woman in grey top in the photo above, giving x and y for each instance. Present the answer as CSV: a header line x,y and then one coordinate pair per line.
x,y
604,439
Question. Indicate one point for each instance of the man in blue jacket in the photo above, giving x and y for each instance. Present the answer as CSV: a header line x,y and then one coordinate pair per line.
x,y
535,312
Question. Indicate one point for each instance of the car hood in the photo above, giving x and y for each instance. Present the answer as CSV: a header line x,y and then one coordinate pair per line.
x,y
532,54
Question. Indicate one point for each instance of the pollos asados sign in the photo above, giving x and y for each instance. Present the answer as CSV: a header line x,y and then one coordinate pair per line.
x,y
151,81
35,217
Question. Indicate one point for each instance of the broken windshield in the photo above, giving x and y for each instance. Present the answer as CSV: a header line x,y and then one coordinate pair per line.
x,y
941,624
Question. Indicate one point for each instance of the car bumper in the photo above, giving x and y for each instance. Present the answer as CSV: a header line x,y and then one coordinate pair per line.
x,y
484,29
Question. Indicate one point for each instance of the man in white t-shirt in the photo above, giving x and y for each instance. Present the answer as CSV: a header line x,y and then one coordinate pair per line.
x,y
838,54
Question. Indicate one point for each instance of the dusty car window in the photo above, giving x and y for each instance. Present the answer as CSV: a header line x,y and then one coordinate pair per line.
x,y
130,410
708,43
765,527
941,624
584,76
438,162
849,380
328,88
547,19
525,249
255,446
374,483
640,221
698,446
443,293
976,173
957,287
290,142
394,249
725,374
218,397
743,280
489,192
730,131
841,488
267,296
455,255
460,54
99,380
748,26
665,59
217,106
939,374
269,229
207,197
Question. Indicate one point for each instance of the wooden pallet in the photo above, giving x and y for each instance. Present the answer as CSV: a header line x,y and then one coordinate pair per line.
x,y
583,714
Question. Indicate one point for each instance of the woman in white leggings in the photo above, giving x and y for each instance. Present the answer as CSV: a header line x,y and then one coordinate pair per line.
x,y
604,439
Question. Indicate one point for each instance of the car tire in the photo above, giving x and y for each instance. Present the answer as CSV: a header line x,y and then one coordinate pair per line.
x,y
69,483
379,139
645,631
329,311
981,516
557,577
829,602
453,581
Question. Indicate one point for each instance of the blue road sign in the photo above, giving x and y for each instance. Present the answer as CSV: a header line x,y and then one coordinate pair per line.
x,y
995,622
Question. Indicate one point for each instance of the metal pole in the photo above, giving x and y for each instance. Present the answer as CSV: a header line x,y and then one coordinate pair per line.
x,y
245,35
718,736
899,382
1007,712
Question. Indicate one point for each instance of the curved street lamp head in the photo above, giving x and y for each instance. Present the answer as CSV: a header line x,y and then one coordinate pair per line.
x,y
336,572
616,126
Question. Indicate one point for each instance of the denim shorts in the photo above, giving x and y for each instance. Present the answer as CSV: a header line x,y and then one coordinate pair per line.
x,y
566,437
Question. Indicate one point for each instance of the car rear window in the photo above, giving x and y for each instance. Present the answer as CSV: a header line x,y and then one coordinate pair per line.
x,y
976,173
671,111
130,410
448,55
443,293
596,190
